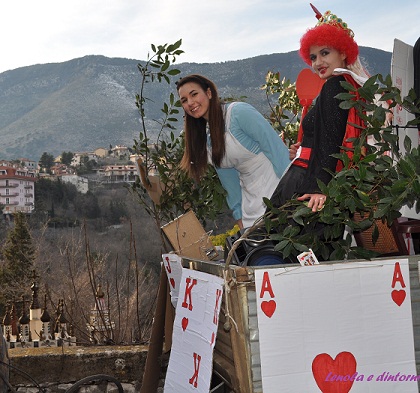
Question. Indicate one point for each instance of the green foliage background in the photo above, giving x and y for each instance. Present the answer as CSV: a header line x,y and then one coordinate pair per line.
x,y
376,184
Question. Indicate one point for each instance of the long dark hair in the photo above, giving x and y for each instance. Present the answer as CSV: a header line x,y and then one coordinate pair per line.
x,y
194,161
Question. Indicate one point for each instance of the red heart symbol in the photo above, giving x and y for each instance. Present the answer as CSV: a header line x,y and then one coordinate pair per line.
x,y
398,296
184,323
268,308
308,84
172,281
324,368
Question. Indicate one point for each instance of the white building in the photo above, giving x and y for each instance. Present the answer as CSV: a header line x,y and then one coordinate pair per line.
x,y
79,157
29,164
17,189
120,173
120,151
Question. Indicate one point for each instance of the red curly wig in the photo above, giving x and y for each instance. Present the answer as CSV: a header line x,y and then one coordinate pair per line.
x,y
332,36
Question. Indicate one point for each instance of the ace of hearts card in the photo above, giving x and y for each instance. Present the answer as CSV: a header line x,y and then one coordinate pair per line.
x,y
331,328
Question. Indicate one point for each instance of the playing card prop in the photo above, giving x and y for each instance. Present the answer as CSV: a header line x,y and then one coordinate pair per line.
x,y
336,328
194,333
173,268
402,73
307,258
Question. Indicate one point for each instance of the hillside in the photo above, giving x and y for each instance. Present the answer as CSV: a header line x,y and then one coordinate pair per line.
x,y
89,102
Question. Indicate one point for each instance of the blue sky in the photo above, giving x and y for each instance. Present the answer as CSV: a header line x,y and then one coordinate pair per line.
x,y
51,31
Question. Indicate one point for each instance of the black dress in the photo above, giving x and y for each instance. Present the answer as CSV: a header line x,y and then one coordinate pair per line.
x,y
324,127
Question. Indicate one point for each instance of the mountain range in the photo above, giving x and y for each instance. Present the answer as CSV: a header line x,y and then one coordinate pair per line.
x,y
89,102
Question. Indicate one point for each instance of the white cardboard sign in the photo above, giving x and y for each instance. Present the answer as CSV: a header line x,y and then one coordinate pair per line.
x,y
402,72
343,327
194,333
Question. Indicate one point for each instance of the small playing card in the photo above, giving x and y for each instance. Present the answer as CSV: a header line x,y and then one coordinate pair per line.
x,y
307,258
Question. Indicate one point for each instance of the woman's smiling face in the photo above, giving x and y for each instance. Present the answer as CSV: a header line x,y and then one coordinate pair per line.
x,y
325,60
195,100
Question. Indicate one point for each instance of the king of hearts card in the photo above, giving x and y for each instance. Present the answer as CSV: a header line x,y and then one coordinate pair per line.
x,y
199,298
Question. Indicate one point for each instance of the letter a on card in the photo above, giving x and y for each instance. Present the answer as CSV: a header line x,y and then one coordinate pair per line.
x,y
398,295
268,307
266,286
398,276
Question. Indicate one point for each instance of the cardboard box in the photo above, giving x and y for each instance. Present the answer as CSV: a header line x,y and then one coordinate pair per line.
x,y
188,238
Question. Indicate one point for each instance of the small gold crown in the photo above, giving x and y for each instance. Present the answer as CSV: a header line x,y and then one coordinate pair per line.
x,y
333,20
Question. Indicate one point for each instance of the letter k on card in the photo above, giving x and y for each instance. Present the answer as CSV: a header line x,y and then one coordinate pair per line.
x,y
187,304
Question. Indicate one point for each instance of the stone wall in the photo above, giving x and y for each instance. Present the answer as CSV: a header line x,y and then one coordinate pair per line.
x,y
57,369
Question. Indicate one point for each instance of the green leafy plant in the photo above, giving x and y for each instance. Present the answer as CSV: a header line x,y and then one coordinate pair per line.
x,y
160,157
285,107
376,184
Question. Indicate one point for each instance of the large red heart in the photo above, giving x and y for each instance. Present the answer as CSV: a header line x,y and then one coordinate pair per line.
x,y
268,308
324,367
184,323
398,296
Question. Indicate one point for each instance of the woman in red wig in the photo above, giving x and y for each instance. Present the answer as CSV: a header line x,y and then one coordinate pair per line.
x,y
330,49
